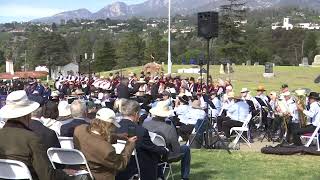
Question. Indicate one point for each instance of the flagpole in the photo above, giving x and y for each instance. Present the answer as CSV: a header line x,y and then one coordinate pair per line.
x,y
169,39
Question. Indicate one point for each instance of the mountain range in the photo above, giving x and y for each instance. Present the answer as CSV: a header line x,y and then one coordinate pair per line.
x,y
159,8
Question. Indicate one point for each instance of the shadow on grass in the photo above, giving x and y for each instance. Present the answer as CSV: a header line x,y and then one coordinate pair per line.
x,y
199,170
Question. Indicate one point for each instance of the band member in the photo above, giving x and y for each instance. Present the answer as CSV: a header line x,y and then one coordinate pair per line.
x,y
291,115
313,117
192,85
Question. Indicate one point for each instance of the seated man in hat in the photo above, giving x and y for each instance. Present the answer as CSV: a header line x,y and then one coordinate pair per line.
x,y
18,142
313,115
236,114
159,125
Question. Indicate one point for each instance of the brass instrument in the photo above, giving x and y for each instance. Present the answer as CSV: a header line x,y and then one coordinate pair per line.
x,y
301,101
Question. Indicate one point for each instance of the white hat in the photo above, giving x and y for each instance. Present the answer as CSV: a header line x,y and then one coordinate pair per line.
x,y
64,109
243,90
18,105
55,93
141,80
107,115
161,109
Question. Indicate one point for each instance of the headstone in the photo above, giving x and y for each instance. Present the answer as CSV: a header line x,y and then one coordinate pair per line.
x,y
256,64
316,62
9,67
222,69
248,63
305,62
243,64
228,68
268,70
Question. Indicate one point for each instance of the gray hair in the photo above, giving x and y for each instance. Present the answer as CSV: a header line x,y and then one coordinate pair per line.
x,y
37,113
130,108
78,109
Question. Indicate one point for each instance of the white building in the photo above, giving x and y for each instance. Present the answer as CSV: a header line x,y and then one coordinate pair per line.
x,y
286,25
69,69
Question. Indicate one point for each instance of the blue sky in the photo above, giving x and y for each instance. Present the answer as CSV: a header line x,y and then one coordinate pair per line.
x,y
23,10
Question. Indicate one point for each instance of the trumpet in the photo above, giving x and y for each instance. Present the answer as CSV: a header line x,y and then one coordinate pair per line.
x,y
301,101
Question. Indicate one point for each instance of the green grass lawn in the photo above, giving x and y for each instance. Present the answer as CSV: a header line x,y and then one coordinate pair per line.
x,y
251,76
215,164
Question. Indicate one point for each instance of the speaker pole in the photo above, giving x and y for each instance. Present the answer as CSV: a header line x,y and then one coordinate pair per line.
x,y
169,39
208,66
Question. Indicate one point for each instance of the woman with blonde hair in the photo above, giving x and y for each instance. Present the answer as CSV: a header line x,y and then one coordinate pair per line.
x,y
95,141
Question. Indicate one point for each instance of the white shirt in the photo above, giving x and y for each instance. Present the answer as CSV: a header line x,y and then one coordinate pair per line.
x,y
182,111
52,124
193,116
313,113
238,111
293,110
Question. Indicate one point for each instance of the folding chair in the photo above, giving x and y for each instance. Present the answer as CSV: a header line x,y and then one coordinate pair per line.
x,y
239,131
68,157
119,148
313,136
160,141
66,142
12,169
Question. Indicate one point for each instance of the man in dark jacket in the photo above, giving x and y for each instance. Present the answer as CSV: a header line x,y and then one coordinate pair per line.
x,y
78,113
148,153
18,142
48,136
123,89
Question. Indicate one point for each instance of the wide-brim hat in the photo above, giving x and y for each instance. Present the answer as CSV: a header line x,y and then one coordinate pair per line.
x,y
243,90
18,105
107,115
196,104
261,88
161,109
141,81
64,109
314,95
184,99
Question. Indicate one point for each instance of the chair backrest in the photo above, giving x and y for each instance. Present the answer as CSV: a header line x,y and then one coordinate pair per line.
x,y
247,120
119,148
12,169
66,142
157,139
68,157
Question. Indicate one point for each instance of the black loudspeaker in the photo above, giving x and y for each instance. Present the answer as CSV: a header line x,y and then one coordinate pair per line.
x,y
208,24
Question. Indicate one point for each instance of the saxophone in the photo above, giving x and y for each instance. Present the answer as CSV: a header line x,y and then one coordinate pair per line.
x,y
301,101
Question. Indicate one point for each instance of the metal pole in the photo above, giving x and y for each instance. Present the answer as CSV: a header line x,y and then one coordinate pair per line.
x,y
208,66
169,39
25,60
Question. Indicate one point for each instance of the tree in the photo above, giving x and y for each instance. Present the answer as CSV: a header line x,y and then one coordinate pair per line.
x,y
105,56
156,48
231,34
130,51
310,46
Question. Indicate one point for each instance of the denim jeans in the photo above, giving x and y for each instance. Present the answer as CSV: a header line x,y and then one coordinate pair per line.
x,y
185,163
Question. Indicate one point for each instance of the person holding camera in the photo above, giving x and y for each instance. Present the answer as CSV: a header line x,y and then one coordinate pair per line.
x,y
95,142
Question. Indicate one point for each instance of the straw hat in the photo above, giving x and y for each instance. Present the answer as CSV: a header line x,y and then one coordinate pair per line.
x,y
244,90
261,88
141,81
18,105
107,115
161,109
64,109
196,104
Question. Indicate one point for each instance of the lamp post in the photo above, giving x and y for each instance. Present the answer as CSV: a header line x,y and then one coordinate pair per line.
x,y
89,62
169,38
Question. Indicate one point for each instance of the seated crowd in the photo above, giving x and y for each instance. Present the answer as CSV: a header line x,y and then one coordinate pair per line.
x,y
99,112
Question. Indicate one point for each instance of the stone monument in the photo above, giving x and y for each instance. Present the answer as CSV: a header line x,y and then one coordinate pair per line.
x,y
316,62
9,66
305,62
268,70
222,69
248,63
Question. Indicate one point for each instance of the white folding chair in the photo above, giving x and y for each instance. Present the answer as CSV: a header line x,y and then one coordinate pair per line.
x,y
314,136
239,131
160,141
12,169
68,157
66,142
119,148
